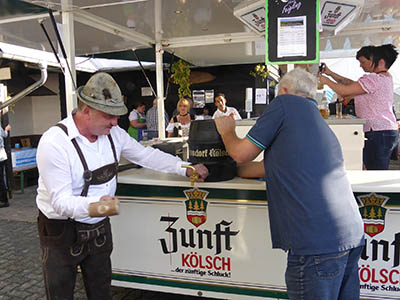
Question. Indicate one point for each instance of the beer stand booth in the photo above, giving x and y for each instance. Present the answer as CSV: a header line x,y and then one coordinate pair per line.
x,y
212,239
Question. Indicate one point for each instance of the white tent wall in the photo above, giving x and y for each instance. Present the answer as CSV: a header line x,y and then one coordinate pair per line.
x,y
20,117
45,113
35,114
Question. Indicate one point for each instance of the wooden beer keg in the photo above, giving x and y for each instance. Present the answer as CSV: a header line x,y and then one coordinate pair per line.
x,y
206,147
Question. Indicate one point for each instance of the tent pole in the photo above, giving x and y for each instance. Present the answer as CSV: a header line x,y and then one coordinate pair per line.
x,y
69,42
159,69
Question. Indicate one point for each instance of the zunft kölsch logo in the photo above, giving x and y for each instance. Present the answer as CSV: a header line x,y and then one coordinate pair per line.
x,y
201,252
333,16
378,268
196,206
373,213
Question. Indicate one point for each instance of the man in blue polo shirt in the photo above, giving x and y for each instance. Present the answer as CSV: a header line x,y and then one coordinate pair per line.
x,y
313,213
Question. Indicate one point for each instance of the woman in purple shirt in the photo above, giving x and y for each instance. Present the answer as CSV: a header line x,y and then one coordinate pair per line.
x,y
373,100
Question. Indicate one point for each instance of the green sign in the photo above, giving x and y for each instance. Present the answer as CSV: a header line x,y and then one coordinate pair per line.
x,y
291,32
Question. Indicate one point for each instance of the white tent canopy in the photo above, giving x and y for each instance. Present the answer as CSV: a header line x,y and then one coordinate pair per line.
x,y
203,32
84,64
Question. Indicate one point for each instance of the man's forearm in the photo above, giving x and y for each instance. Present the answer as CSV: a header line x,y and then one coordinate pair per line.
x,y
241,150
252,169
232,145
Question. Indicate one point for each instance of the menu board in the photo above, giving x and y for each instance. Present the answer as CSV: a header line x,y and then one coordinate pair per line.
x,y
199,98
291,31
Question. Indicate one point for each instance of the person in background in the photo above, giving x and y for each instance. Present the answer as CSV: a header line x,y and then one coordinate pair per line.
x,y
152,121
206,114
180,124
3,186
373,101
191,109
222,109
77,161
137,120
312,210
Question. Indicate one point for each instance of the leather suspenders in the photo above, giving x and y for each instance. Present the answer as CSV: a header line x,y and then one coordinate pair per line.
x,y
98,176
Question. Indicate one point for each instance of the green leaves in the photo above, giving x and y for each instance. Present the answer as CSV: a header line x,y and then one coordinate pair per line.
x,y
260,71
181,75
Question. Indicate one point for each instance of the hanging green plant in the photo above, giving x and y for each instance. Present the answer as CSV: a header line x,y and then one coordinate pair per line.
x,y
181,75
260,71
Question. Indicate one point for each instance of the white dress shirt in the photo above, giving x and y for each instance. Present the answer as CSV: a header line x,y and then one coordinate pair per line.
x,y
229,110
61,170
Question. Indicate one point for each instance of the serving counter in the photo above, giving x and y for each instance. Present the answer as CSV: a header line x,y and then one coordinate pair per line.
x,y
348,130
213,239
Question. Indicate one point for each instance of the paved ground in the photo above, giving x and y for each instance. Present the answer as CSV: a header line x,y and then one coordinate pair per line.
x,y
20,268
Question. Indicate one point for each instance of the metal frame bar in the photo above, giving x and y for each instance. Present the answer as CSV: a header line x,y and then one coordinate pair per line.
x,y
111,4
215,39
27,18
369,28
144,73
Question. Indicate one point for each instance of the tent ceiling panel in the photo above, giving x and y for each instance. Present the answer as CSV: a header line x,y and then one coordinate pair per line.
x,y
185,23
14,9
88,40
91,41
27,34
179,18
199,18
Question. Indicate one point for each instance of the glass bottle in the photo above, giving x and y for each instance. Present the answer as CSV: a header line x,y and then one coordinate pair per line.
x,y
325,106
180,133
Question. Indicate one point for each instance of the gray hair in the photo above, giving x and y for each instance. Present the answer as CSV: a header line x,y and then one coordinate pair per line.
x,y
300,83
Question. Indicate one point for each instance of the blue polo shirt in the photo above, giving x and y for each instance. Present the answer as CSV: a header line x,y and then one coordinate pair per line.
x,y
312,208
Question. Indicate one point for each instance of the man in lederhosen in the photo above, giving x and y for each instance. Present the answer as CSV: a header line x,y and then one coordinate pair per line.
x,y
77,162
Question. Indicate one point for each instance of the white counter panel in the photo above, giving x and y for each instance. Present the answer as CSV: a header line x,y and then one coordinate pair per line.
x,y
157,242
